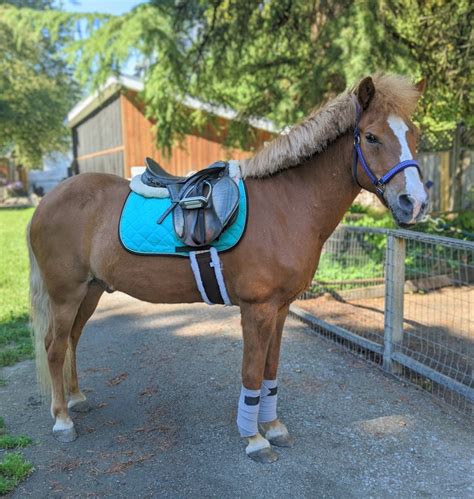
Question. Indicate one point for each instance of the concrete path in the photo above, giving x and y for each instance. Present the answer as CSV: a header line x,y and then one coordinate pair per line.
x,y
163,382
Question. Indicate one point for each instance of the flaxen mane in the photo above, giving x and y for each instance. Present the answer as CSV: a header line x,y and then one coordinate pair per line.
x,y
393,93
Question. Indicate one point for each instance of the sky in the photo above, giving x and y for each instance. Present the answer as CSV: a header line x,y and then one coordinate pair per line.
x,y
104,6
115,7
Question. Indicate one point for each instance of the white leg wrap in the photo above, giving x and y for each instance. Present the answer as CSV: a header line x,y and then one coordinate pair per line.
x,y
268,402
247,414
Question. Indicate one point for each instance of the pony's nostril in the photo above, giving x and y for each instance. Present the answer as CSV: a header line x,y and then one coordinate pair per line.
x,y
405,202
423,206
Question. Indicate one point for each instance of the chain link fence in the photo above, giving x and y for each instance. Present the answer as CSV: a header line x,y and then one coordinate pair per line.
x,y
402,299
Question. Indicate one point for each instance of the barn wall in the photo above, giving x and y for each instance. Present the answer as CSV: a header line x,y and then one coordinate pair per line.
x,y
98,141
196,151
104,163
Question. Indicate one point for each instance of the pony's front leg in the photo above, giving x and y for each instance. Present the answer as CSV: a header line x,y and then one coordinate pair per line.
x,y
258,326
274,430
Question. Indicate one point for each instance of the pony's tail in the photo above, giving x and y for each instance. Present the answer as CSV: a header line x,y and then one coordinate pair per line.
x,y
40,322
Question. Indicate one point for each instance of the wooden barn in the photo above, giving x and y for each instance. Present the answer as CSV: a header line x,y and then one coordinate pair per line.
x,y
111,134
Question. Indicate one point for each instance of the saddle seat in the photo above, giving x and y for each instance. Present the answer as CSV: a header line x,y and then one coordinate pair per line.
x,y
156,176
203,204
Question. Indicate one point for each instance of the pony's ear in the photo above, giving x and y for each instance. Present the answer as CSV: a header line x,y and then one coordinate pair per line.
x,y
421,86
365,92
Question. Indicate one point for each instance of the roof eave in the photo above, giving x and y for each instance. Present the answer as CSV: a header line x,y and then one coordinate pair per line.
x,y
114,84
88,105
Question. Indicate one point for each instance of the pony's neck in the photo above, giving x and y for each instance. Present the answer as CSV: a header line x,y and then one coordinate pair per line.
x,y
293,212
318,191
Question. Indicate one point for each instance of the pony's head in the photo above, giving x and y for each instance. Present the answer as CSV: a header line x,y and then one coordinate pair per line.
x,y
385,145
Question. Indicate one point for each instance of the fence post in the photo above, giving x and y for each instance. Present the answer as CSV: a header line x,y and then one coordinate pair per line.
x,y
394,288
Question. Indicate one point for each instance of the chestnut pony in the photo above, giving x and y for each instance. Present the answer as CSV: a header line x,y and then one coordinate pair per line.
x,y
299,187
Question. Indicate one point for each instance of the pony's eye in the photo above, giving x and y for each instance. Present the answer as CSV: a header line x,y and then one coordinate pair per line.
x,y
371,139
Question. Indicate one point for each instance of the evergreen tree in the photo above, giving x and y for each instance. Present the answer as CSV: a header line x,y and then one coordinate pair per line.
x,y
275,59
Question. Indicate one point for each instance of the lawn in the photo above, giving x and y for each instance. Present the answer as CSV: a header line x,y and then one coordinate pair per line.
x,y
14,468
15,341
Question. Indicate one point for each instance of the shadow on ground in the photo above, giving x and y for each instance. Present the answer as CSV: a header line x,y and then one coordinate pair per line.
x,y
163,383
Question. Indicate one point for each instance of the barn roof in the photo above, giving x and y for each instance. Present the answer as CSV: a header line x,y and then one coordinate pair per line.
x,y
115,83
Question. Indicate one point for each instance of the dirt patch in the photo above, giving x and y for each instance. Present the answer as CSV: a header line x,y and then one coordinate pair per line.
x,y
438,325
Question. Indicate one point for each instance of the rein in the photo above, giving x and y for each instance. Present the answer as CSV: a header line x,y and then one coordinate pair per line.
x,y
378,183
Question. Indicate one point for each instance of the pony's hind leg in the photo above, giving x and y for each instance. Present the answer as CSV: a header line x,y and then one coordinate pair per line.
x,y
77,400
57,341
258,327
274,430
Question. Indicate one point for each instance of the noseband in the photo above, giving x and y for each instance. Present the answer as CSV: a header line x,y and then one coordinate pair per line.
x,y
379,183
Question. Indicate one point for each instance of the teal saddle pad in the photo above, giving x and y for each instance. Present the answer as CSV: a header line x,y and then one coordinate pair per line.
x,y
139,232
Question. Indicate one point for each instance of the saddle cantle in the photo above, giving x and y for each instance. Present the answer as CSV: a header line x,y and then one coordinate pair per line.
x,y
203,205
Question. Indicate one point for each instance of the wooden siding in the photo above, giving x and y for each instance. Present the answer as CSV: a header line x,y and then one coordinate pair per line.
x,y
195,153
103,163
98,140
118,136
100,131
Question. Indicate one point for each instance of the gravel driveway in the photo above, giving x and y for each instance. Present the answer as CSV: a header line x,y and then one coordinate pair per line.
x,y
163,382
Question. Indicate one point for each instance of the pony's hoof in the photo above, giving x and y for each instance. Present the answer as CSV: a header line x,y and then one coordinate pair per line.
x,y
277,434
282,440
264,456
65,436
82,406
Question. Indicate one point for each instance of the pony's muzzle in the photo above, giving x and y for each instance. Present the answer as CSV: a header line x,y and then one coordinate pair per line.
x,y
408,209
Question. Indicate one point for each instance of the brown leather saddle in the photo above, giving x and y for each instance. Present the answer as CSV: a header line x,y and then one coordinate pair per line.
x,y
203,204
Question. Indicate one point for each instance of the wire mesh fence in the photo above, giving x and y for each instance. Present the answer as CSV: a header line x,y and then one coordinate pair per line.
x,y
402,299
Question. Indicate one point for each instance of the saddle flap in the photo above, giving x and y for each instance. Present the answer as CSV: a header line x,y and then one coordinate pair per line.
x,y
225,197
201,226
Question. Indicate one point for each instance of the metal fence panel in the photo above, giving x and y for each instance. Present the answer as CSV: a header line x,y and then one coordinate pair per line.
x,y
403,299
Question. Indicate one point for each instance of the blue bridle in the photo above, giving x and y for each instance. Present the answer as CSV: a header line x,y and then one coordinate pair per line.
x,y
379,183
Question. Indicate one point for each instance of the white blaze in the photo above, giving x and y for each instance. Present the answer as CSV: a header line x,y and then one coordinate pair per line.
x,y
413,183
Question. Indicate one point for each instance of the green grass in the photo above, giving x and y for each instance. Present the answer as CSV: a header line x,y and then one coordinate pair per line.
x,y
15,341
14,468
10,441
14,442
